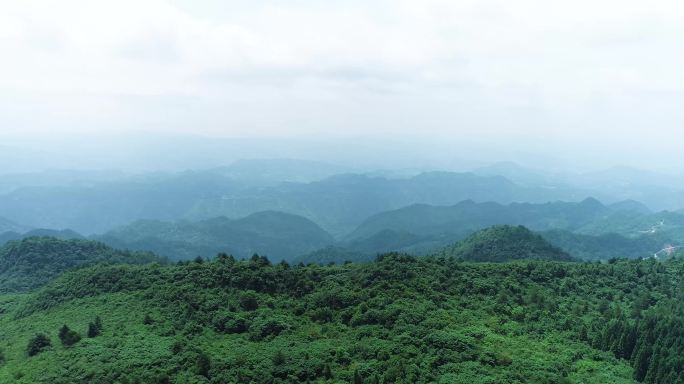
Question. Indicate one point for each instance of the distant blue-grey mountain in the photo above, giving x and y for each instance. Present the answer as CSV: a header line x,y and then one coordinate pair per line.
x,y
338,203
65,234
587,230
7,225
274,234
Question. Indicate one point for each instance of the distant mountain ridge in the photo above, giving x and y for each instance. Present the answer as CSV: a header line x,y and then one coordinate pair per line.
x,y
65,234
275,234
468,216
7,225
589,229
338,203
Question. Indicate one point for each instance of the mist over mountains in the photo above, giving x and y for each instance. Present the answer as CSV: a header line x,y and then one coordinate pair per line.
x,y
311,211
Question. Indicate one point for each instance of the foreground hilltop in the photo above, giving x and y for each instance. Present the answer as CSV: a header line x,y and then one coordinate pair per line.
x,y
396,320
504,243
32,262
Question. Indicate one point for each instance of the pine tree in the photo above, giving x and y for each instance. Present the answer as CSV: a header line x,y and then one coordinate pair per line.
x,y
641,362
92,330
68,337
203,364
38,344
327,372
63,332
357,377
95,327
278,358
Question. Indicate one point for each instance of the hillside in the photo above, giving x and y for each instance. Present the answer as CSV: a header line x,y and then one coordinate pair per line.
x,y
606,246
503,243
276,234
633,224
399,319
468,216
32,262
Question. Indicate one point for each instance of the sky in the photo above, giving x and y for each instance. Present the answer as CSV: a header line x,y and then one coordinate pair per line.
x,y
586,82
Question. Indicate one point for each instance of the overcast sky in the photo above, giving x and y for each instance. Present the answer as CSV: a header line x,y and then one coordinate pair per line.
x,y
585,79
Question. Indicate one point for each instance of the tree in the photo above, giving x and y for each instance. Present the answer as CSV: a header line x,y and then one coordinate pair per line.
x,y
327,372
203,364
95,327
98,322
68,337
357,377
93,330
38,344
249,301
279,358
148,319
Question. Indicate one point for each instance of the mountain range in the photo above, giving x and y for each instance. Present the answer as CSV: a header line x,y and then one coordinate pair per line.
x,y
274,234
338,203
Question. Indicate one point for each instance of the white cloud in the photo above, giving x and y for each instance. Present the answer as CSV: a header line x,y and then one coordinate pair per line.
x,y
439,67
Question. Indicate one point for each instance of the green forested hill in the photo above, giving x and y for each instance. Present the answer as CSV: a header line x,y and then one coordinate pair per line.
x,y
502,243
32,262
397,320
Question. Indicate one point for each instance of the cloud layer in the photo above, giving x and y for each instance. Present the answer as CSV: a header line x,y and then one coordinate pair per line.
x,y
546,71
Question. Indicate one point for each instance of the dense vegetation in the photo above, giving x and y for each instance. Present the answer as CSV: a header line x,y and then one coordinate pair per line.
x,y
335,255
503,243
499,305
399,319
32,262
